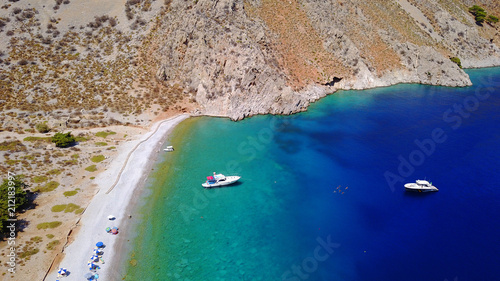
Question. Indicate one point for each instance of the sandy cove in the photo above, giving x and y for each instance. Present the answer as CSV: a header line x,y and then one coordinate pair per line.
x,y
113,201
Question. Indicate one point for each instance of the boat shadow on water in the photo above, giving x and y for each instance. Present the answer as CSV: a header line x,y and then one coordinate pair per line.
x,y
238,183
417,193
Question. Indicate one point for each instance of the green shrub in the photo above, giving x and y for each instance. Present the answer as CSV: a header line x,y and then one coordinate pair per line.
x,y
70,193
91,168
58,208
67,208
36,239
19,193
104,134
46,225
12,146
28,252
63,140
11,162
32,139
50,236
54,172
101,143
80,139
50,186
53,244
79,211
70,162
457,61
479,14
39,179
42,127
97,158
492,19
71,208
29,157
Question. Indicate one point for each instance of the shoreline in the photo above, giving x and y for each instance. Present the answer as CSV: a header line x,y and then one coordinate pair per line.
x,y
327,229
125,242
117,202
114,255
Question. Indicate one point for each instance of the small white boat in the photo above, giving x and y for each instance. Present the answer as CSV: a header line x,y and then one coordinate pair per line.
x,y
219,180
169,148
420,186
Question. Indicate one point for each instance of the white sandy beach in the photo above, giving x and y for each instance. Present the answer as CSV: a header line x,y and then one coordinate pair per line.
x,y
94,221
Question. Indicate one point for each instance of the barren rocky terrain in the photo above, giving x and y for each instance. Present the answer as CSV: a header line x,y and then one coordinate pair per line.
x,y
128,61
118,65
241,58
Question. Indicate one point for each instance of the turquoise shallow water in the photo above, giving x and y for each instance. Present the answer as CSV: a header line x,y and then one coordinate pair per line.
x,y
315,202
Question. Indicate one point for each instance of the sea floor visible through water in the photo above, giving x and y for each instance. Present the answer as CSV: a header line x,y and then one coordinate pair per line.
x,y
321,194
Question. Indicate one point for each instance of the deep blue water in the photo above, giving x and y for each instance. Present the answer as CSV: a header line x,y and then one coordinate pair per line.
x,y
314,202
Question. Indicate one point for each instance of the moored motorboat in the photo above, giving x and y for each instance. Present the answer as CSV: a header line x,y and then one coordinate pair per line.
x,y
420,186
219,180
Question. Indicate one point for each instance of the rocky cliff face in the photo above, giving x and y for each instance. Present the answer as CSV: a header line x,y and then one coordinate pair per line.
x,y
240,58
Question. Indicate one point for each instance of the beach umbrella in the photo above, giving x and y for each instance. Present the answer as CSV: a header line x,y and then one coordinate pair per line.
x,y
111,217
97,252
94,258
88,275
108,229
91,265
99,244
62,271
114,230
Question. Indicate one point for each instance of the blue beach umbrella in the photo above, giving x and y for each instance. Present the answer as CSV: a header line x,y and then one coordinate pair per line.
x,y
99,244
62,271
88,276
91,265
94,258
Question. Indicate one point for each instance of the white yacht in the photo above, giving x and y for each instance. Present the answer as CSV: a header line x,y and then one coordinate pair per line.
x,y
219,180
421,186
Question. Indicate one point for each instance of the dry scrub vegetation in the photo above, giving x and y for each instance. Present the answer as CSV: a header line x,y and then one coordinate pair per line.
x,y
60,185
56,76
87,75
300,46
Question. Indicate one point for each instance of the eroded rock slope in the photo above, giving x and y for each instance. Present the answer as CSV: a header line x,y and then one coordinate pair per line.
x,y
239,58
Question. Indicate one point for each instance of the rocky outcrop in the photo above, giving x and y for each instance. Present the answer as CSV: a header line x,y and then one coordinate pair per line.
x,y
456,31
239,58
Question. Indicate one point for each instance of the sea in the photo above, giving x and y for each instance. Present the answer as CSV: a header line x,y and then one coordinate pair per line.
x,y
321,195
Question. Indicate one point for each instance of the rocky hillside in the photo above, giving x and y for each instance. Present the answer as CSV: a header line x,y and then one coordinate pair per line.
x,y
82,63
239,58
